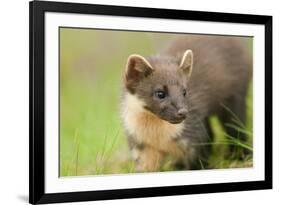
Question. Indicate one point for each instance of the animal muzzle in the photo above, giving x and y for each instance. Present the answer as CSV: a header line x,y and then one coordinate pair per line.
x,y
179,116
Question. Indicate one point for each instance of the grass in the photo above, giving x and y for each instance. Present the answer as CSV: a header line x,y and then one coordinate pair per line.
x,y
92,139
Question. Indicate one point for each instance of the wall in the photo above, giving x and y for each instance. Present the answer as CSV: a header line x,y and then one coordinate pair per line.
x,y
14,100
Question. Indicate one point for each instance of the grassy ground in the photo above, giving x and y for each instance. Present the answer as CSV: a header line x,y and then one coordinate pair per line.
x,y
92,139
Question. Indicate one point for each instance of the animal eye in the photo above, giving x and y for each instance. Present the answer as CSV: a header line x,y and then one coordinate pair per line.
x,y
160,94
184,92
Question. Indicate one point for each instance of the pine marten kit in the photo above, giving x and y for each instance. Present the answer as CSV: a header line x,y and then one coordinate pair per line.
x,y
168,98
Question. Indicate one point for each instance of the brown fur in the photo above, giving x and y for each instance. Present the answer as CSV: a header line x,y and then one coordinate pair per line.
x,y
221,68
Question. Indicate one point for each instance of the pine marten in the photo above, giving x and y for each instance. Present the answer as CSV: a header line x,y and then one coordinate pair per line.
x,y
168,98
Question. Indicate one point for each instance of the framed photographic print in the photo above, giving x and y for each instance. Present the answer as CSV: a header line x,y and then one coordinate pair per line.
x,y
140,102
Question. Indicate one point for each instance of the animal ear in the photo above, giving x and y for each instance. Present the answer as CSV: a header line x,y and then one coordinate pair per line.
x,y
187,62
137,68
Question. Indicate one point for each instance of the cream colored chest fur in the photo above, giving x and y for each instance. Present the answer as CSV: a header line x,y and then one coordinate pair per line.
x,y
148,129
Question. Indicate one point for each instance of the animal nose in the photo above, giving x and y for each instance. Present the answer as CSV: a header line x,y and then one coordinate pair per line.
x,y
182,112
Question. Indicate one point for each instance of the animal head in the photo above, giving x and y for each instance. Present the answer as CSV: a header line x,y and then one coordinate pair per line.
x,y
161,84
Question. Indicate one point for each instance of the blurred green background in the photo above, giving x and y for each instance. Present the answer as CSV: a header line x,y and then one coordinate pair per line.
x,y
92,139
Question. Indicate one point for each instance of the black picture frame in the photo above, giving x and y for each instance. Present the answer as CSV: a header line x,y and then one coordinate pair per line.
x,y
37,9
